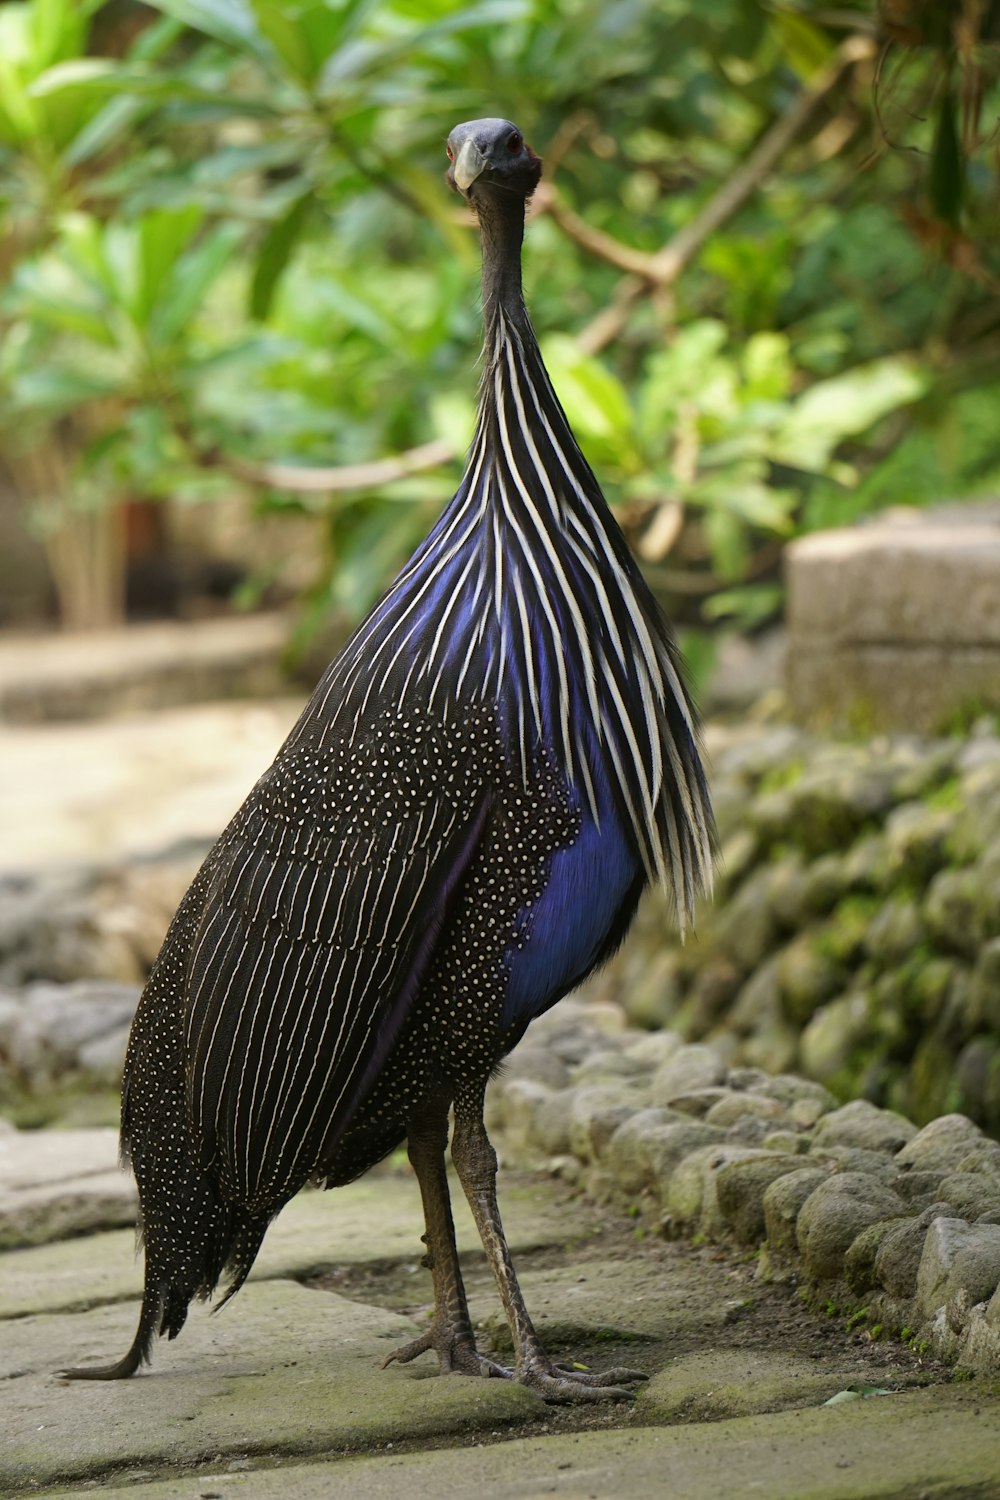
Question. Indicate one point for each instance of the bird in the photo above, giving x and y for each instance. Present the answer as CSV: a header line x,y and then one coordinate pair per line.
x,y
456,832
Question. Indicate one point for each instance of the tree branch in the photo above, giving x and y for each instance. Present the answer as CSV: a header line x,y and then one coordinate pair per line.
x,y
344,477
661,270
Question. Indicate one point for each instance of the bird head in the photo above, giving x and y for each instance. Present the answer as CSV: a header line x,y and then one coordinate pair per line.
x,y
490,158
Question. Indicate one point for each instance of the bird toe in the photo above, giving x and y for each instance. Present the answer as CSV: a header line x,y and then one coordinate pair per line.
x,y
563,1383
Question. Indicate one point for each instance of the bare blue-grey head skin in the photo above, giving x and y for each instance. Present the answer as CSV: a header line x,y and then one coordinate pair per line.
x,y
456,832
496,172
491,156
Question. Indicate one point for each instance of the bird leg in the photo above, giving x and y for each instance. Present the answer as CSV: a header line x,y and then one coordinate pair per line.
x,y
476,1164
450,1334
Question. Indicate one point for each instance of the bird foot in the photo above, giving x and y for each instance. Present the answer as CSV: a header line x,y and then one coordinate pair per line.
x,y
557,1383
456,1355
562,1383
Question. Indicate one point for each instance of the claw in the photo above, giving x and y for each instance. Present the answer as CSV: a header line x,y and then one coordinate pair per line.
x,y
456,1356
566,1383
410,1351
617,1376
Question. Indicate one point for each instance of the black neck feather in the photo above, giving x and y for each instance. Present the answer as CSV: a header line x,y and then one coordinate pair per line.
x,y
501,220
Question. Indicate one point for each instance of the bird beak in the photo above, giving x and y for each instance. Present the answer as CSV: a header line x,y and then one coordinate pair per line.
x,y
469,163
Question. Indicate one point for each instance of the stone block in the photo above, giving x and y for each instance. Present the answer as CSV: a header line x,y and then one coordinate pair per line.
x,y
899,621
928,580
667,1146
958,1260
897,1259
735,1106
783,1201
628,1156
740,1187
972,1195
690,1068
943,1144
835,1214
57,1184
595,1113
862,1124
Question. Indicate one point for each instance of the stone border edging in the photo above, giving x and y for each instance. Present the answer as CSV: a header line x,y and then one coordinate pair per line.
x,y
896,1227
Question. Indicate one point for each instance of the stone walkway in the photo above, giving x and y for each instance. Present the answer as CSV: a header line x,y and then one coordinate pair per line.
x,y
103,792
52,676
283,1394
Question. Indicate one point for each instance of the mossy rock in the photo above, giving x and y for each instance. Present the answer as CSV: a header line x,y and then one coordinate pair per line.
x,y
896,929
917,837
933,1090
807,976
831,1041
844,937
859,1262
740,1188
984,994
962,910
977,1076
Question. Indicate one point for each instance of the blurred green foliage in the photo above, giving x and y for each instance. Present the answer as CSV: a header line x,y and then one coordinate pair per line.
x,y
226,242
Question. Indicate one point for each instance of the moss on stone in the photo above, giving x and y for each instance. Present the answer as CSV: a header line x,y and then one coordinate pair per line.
x,y
933,1088
844,936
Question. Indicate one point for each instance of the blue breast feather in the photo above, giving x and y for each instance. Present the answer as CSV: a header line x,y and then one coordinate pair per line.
x,y
567,928
570,922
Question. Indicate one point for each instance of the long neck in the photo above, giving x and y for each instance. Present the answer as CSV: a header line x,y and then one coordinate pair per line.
x,y
502,226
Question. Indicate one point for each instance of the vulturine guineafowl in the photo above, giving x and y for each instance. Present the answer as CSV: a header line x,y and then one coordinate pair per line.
x,y
455,833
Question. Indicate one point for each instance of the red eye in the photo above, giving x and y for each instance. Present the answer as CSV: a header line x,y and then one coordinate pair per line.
x,y
451,154
514,143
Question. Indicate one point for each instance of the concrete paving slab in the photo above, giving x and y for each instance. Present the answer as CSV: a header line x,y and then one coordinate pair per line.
x,y
599,1301
69,1275
114,789
376,1219
58,1183
53,1211
739,1382
297,1372
35,1158
938,1445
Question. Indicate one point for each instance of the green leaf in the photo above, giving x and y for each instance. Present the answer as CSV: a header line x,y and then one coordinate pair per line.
x,y
743,493
596,402
75,73
191,278
845,406
229,21
453,417
19,116
363,56
805,44
727,542
748,607
691,372
104,129
865,1392
284,31
767,367
947,172
58,390
49,292
163,238
275,253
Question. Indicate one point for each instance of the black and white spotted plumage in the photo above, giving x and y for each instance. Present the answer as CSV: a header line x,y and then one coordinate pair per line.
x,y
456,831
